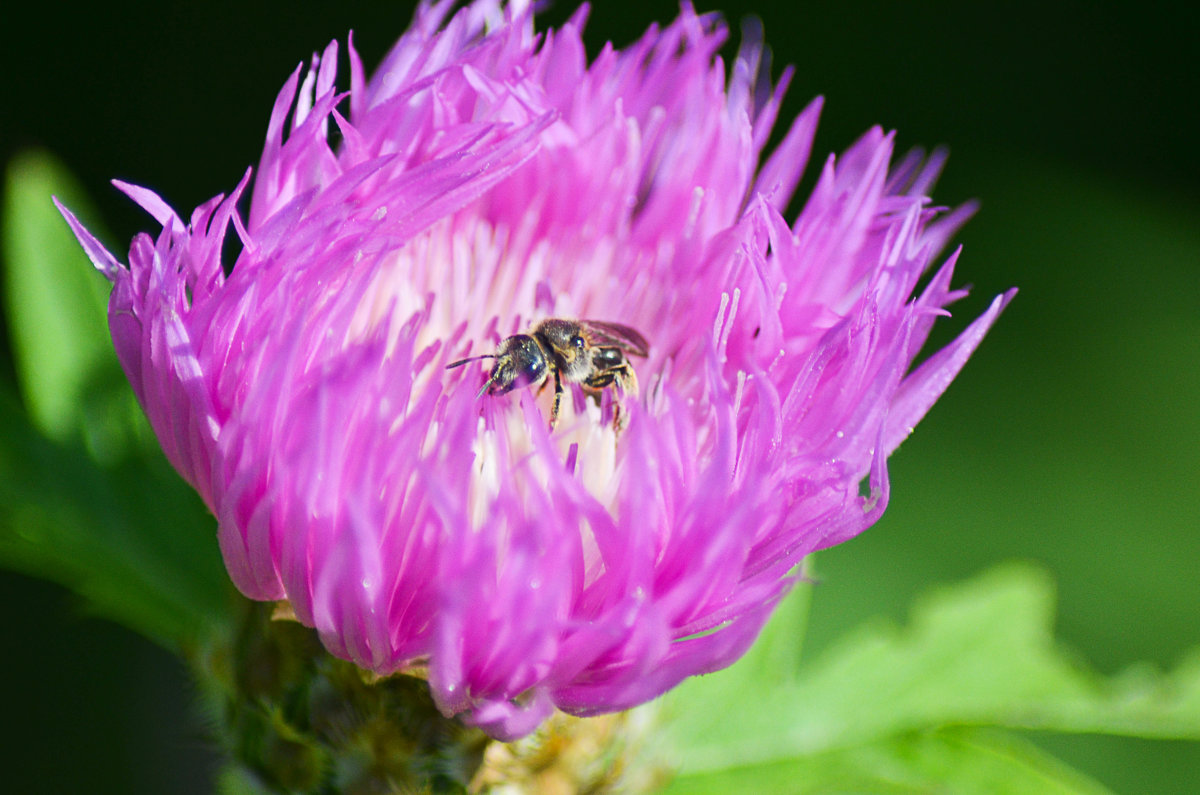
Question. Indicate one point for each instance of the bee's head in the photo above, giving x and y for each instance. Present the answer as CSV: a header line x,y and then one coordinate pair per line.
x,y
520,362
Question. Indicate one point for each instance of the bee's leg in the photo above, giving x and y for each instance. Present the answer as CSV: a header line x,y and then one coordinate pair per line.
x,y
627,378
628,381
558,392
620,418
623,375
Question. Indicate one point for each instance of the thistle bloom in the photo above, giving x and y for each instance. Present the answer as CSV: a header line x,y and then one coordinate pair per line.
x,y
484,179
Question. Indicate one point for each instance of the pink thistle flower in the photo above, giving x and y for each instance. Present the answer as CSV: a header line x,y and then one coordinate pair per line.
x,y
484,179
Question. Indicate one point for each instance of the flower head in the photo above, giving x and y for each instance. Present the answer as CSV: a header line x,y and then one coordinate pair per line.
x,y
487,178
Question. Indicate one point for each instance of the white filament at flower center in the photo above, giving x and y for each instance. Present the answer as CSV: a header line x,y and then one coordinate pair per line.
x,y
466,271
506,456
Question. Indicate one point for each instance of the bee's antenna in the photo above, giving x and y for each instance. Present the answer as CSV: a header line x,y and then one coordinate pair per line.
x,y
483,389
461,362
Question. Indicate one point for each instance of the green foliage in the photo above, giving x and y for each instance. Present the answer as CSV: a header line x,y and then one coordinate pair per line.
x,y
961,761
66,368
131,538
86,499
900,710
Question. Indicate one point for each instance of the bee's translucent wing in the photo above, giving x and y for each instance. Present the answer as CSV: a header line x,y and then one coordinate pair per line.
x,y
616,335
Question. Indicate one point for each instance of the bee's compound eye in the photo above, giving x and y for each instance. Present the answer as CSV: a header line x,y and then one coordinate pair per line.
x,y
578,342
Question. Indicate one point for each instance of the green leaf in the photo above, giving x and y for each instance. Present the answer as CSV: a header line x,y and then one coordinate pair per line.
x,y
133,539
67,371
978,654
962,761
129,536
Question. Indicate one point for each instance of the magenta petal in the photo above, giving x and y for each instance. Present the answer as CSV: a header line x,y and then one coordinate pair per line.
x,y
484,179
104,262
149,201
926,384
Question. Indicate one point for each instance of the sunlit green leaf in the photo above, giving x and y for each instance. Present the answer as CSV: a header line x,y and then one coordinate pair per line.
x,y
67,370
978,654
960,761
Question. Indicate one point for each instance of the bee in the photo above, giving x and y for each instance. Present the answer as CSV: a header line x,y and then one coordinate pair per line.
x,y
590,353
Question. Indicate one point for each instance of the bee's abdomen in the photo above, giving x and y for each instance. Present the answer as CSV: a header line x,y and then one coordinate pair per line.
x,y
607,358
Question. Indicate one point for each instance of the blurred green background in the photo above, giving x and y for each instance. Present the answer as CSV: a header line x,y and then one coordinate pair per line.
x,y
1072,438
